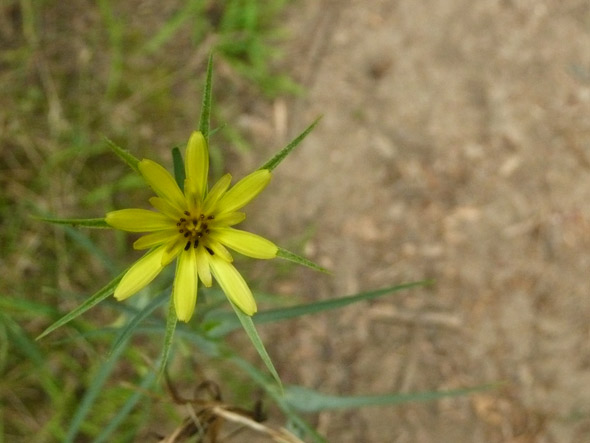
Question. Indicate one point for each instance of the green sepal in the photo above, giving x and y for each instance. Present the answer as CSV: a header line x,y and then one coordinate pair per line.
x,y
309,400
250,329
124,155
168,338
205,118
96,298
179,172
98,223
291,256
283,153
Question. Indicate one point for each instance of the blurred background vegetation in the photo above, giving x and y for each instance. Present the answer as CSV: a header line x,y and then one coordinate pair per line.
x,y
71,74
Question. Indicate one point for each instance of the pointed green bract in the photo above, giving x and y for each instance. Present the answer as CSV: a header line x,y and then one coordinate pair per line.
x,y
283,153
291,256
124,155
179,174
250,329
204,120
96,298
170,328
97,223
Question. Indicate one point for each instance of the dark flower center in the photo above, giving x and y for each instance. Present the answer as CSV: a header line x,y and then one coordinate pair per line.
x,y
194,227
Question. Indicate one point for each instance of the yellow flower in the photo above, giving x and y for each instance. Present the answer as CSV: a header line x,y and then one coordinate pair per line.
x,y
194,227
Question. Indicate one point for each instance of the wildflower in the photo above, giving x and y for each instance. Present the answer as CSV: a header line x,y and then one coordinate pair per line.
x,y
194,227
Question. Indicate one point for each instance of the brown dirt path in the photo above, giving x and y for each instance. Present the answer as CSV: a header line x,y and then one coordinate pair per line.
x,y
455,145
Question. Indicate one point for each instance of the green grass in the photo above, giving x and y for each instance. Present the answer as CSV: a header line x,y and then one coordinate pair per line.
x,y
72,74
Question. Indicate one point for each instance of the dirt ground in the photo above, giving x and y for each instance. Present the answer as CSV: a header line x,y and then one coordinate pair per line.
x,y
455,146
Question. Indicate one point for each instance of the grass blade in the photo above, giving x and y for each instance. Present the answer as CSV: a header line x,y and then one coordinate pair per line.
x,y
283,153
126,409
98,380
20,340
291,256
172,26
24,306
250,329
96,298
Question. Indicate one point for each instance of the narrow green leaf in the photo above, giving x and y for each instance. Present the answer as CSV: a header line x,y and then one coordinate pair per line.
x,y
98,223
229,323
179,173
96,298
250,329
126,409
291,256
126,332
204,120
308,400
283,153
98,380
170,328
336,303
124,155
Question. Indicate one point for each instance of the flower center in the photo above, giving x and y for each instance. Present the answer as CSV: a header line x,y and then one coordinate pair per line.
x,y
194,227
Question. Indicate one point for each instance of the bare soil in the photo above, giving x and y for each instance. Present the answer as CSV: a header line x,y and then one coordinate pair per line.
x,y
455,146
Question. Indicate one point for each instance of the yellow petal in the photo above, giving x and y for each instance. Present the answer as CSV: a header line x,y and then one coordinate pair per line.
x,y
166,208
229,218
219,250
185,285
172,250
139,220
162,183
154,239
140,274
244,191
216,192
196,164
193,196
245,243
203,266
233,285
